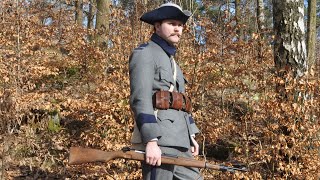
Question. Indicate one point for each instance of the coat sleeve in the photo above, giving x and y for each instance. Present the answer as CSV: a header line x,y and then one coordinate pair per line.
x,y
142,70
193,128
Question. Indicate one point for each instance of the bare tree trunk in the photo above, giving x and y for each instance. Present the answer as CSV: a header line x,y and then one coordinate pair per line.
x,y
227,11
290,46
90,17
102,22
312,21
90,14
238,19
261,27
79,12
260,16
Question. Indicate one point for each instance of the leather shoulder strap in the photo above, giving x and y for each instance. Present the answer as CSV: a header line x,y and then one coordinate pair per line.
x,y
173,62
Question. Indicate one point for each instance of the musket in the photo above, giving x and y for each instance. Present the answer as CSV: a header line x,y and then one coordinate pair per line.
x,y
79,155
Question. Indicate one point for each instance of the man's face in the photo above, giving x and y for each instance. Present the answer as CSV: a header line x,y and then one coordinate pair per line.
x,y
170,30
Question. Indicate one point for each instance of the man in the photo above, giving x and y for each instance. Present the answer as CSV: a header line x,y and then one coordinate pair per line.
x,y
163,124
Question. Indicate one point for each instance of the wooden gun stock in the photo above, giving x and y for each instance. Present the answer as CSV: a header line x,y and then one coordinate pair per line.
x,y
80,155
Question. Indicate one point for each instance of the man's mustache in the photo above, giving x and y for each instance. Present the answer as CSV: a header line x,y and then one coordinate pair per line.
x,y
176,34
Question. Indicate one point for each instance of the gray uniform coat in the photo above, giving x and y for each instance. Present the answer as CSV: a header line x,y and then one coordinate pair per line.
x,y
150,71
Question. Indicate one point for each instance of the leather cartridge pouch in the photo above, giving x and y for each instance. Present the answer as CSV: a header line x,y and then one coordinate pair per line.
x,y
188,104
177,101
161,100
172,100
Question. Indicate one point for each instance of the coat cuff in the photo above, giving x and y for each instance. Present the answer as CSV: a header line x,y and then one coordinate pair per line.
x,y
149,132
145,119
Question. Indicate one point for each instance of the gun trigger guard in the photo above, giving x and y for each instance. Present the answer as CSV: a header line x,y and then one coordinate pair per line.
x,y
126,149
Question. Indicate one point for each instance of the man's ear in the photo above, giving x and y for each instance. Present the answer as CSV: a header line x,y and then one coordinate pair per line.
x,y
156,26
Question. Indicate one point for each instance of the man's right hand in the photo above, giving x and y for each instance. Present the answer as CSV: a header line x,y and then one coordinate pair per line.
x,y
153,153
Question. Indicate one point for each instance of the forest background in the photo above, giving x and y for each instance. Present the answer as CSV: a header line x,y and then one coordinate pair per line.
x,y
64,82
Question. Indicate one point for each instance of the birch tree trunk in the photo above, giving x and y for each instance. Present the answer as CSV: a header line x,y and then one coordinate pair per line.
x,y
102,22
312,22
290,47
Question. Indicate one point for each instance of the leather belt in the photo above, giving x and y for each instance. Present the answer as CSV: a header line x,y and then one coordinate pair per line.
x,y
172,100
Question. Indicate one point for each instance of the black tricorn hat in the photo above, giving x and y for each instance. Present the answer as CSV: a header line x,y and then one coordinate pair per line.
x,y
166,11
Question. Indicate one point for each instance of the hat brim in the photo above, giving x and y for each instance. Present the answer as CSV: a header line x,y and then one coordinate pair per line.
x,y
166,12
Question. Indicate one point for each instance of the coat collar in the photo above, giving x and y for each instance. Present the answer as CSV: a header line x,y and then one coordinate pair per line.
x,y
168,48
